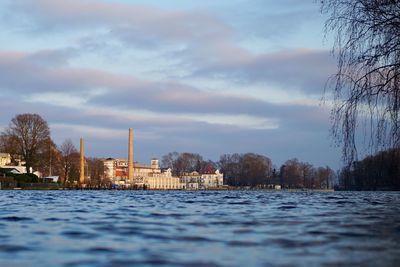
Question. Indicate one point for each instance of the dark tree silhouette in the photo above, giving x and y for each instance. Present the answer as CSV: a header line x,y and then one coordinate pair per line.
x,y
377,172
366,86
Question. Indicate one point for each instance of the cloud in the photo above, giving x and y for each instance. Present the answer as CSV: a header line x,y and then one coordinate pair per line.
x,y
271,20
201,43
304,70
77,83
66,86
76,88
41,77
104,127
128,20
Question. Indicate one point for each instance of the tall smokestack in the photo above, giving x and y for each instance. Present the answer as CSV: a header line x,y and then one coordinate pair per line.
x,y
82,163
130,157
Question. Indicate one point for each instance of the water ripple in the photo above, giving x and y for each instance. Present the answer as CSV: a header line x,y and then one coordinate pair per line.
x,y
210,228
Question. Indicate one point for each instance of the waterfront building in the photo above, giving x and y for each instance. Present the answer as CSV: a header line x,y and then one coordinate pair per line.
x,y
212,180
19,170
147,176
127,173
192,180
5,159
118,168
207,180
109,168
5,164
162,181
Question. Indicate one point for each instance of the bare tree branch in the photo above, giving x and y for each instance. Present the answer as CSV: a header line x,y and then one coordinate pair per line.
x,y
366,86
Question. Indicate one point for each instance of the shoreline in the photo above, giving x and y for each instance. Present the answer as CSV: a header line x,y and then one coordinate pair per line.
x,y
187,190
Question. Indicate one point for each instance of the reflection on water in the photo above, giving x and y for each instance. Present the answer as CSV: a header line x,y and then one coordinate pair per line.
x,y
221,228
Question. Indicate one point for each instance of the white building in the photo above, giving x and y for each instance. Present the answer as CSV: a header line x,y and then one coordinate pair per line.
x,y
20,170
5,159
194,180
109,168
162,181
212,180
149,176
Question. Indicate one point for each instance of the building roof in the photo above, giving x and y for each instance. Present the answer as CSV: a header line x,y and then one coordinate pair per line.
x,y
53,178
209,169
8,169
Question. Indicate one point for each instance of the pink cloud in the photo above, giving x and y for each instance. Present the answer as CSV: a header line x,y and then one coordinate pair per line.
x,y
175,25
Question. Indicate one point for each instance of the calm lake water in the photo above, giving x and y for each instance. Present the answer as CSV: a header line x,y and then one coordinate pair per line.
x,y
232,228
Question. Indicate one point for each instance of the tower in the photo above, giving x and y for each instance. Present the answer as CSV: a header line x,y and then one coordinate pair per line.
x,y
82,163
130,157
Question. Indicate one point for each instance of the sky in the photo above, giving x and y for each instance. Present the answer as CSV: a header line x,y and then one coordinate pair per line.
x,y
208,77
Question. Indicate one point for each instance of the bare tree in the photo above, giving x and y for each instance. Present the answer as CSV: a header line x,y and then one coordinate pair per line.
x,y
245,169
169,159
31,135
70,159
230,167
182,162
96,172
292,173
188,162
366,86
307,171
255,169
49,159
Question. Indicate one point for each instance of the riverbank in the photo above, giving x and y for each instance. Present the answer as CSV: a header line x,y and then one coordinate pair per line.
x,y
57,188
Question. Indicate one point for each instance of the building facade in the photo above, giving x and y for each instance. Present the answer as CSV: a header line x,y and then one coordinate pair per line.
x,y
152,177
212,180
163,181
5,159
191,181
207,180
146,176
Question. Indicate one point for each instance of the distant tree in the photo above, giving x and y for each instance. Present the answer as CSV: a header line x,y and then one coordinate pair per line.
x,y
367,84
30,134
255,169
297,174
96,172
70,161
169,161
245,169
184,162
292,174
188,162
377,172
323,177
50,159
308,173
230,167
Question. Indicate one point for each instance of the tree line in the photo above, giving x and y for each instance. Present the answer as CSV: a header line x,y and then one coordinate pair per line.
x,y
28,139
377,172
253,170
